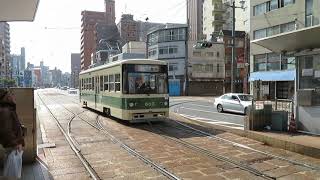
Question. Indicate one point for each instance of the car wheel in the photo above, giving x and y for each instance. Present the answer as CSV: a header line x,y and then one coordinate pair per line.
x,y
219,108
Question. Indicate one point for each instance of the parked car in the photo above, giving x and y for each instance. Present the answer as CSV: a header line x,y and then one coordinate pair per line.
x,y
73,91
239,103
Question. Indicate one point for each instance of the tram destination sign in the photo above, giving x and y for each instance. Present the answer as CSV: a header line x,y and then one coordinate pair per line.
x,y
147,68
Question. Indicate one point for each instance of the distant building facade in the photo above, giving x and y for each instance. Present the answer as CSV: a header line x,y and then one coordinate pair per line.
x,y
169,44
135,47
206,69
128,28
195,19
75,70
88,42
5,37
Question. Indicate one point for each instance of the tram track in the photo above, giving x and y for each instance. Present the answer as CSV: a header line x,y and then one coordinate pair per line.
x,y
98,126
71,143
245,167
208,153
212,136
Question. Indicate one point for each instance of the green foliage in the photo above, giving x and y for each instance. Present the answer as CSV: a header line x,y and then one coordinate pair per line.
x,y
5,82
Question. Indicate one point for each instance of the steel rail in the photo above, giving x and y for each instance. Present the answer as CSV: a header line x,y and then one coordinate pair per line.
x,y
211,136
83,160
130,150
213,155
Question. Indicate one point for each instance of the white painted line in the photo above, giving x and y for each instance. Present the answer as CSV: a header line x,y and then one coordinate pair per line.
x,y
210,112
199,105
215,122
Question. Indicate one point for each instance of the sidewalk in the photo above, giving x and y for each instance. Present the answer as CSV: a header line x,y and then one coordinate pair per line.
x,y
300,143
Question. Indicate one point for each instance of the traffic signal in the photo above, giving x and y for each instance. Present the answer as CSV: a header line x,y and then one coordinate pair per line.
x,y
206,45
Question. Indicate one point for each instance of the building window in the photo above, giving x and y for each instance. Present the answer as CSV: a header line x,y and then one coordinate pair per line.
x,y
260,62
260,9
218,67
163,50
309,12
173,50
286,2
173,67
273,5
288,63
273,61
209,54
273,30
196,53
287,27
218,54
261,33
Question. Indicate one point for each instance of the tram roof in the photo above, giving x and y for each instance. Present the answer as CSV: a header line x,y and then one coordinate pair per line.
x,y
129,61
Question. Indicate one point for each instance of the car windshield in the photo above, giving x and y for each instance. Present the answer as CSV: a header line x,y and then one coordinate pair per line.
x,y
245,97
147,83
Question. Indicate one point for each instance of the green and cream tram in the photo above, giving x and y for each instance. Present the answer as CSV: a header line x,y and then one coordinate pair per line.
x,y
133,90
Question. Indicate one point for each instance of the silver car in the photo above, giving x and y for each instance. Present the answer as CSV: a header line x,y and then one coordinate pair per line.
x,y
232,102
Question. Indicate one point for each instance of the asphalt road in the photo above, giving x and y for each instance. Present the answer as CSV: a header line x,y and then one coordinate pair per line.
x,y
202,109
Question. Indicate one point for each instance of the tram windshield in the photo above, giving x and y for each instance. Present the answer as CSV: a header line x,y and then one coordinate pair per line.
x,y
147,83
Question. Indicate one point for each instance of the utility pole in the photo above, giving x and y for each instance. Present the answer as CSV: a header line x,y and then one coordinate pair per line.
x,y
233,51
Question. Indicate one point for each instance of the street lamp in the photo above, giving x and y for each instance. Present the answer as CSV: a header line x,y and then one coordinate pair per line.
x,y
233,45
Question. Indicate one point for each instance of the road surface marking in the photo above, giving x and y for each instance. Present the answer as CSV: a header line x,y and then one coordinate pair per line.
x,y
218,123
210,112
199,105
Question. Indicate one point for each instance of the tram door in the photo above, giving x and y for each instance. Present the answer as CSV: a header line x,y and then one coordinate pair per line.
x,y
97,91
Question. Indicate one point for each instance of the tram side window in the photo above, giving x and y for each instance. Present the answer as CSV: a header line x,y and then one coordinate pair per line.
x,y
117,82
89,87
101,83
106,83
92,84
86,84
111,82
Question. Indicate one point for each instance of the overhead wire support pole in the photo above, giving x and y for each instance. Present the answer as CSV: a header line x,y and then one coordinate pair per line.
x,y
233,50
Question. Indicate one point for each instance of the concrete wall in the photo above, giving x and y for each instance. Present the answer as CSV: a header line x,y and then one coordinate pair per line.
x,y
134,47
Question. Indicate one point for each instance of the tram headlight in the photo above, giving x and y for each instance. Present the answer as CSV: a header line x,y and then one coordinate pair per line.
x,y
166,103
131,104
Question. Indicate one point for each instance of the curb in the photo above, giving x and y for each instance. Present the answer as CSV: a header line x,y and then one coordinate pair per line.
x,y
267,140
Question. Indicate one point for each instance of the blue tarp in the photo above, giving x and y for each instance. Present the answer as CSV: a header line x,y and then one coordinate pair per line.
x,y
288,75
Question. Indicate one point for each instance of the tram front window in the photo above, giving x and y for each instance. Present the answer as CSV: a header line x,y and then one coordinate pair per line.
x,y
147,83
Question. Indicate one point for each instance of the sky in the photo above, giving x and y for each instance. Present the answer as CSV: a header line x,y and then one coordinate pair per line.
x,y
55,33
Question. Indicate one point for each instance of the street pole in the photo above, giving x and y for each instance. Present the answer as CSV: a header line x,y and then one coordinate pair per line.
x,y
233,51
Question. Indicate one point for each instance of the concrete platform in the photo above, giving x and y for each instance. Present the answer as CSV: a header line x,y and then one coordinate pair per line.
x,y
300,143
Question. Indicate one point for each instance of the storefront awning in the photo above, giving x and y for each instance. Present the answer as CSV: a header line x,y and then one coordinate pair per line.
x,y
273,76
18,10
306,38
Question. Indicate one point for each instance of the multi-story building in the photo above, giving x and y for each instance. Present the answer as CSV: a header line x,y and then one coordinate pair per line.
x,y
75,70
45,75
56,76
2,59
88,42
144,28
23,59
110,12
269,18
16,71
195,19
65,79
217,16
206,69
5,36
285,56
170,45
241,73
128,28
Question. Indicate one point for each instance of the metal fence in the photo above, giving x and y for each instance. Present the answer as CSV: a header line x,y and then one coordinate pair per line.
x,y
262,112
